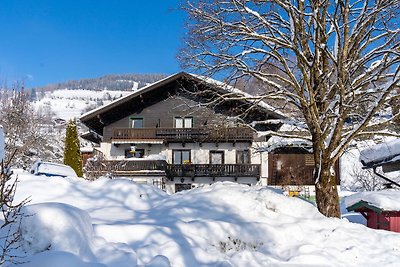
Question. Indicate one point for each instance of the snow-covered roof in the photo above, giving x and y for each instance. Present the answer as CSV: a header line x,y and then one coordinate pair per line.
x,y
87,149
281,141
382,153
383,200
276,142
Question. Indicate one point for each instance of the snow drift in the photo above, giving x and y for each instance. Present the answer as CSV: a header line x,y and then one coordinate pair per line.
x,y
123,224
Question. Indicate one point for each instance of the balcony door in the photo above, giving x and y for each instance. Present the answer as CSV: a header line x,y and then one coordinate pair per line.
x,y
217,157
181,156
243,157
186,122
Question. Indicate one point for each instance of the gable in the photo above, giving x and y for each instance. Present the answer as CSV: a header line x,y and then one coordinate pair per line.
x,y
163,113
182,84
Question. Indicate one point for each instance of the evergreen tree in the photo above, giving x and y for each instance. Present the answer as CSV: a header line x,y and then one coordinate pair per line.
x,y
72,154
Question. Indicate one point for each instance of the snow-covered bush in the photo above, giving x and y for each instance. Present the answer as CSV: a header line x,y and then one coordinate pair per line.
x,y
72,233
29,134
236,245
10,211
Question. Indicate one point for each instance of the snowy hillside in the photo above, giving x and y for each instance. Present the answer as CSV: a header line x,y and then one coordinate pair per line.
x,y
120,223
70,99
67,104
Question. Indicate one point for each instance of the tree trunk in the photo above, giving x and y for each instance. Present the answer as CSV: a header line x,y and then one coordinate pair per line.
x,y
327,196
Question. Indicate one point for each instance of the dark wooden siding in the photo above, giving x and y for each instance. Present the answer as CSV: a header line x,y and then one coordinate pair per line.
x,y
292,169
162,114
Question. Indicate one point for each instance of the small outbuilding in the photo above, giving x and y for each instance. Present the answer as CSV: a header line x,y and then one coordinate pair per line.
x,y
381,209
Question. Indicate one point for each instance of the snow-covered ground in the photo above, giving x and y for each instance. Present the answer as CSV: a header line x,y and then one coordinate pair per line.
x,y
119,223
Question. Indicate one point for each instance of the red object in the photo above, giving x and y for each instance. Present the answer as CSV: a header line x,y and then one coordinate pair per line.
x,y
386,220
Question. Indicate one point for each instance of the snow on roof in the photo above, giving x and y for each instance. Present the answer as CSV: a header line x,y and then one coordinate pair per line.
x,y
384,152
276,142
87,149
384,200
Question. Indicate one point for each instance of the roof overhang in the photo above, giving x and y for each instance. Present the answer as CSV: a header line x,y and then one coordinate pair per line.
x,y
364,206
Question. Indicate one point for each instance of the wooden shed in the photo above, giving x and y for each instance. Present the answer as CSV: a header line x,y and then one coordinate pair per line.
x,y
378,218
293,166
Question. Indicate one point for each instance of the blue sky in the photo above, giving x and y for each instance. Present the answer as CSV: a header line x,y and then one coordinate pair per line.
x,y
48,41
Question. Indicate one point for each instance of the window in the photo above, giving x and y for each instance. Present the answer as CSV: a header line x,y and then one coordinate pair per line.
x,y
136,122
243,157
216,157
186,122
137,153
181,157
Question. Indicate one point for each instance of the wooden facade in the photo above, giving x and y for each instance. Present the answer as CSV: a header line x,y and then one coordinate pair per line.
x,y
203,134
294,166
179,95
143,167
213,170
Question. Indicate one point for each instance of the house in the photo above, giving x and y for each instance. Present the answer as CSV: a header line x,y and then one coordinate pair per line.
x,y
177,133
381,209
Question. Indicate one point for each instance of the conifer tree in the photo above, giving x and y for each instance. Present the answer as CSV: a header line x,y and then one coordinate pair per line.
x,y
72,154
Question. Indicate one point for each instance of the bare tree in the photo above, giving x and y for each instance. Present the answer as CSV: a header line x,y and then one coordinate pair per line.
x,y
365,180
27,131
331,58
10,211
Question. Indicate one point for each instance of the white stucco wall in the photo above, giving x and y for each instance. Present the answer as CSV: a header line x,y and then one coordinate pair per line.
x,y
200,154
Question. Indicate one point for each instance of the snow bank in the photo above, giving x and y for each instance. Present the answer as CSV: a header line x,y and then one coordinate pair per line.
x,y
57,226
65,234
224,224
385,200
59,259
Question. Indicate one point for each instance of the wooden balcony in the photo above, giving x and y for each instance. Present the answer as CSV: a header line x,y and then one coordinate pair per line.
x,y
126,167
213,170
184,134
161,167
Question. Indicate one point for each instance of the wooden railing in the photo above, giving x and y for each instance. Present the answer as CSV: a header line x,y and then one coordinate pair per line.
x,y
124,167
136,167
184,134
213,170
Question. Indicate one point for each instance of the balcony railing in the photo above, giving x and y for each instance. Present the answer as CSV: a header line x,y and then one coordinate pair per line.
x,y
140,167
213,170
124,167
184,134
